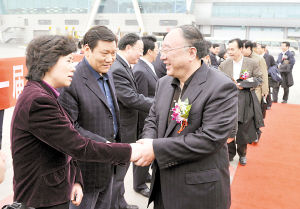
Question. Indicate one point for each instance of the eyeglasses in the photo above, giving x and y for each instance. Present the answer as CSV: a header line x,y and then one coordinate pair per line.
x,y
165,51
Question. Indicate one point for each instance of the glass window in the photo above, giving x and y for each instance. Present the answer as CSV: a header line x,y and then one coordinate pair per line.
x,y
256,10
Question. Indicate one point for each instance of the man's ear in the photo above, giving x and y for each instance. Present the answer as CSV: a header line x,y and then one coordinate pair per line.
x,y
193,53
86,49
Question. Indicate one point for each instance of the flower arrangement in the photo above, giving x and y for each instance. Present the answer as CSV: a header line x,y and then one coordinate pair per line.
x,y
181,113
244,74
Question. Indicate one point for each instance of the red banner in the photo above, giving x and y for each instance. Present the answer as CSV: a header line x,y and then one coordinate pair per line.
x,y
12,79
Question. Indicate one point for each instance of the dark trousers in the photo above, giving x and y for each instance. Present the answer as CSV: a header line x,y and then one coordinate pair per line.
x,y
140,175
99,198
241,149
1,124
118,191
61,206
285,94
269,99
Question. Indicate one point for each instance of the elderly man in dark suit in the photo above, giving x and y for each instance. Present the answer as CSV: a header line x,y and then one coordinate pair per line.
x,y
146,78
187,128
130,102
247,75
44,142
92,104
285,64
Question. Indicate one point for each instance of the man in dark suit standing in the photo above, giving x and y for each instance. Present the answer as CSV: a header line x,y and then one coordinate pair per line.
x,y
213,53
285,64
146,78
92,104
188,142
159,66
130,102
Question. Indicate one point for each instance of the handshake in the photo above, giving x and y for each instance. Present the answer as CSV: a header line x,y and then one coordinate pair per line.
x,y
142,153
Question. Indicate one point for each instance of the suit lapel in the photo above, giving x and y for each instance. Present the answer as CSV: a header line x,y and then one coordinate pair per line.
x,y
93,85
149,70
128,70
192,92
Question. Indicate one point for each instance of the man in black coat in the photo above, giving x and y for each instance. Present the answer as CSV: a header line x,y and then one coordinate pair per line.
x,y
92,104
130,103
190,167
146,78
285,63
213,53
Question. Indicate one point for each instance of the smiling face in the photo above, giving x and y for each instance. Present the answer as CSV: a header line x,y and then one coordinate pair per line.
x,y
60,75
102,56
175,54
234,51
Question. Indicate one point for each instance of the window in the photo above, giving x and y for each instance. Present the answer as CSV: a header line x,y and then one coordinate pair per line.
x,y
168,22
44,22
71,22
131,22
101,22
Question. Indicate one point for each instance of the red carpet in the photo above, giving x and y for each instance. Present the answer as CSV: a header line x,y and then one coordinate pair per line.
x,y
271,178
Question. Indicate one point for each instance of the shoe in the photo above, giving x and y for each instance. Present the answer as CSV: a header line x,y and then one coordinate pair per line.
x,y
131,207
268,108
144,192
243,161
148,179
284,101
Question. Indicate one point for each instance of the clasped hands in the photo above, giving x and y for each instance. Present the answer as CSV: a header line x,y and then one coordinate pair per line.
x,y
142,153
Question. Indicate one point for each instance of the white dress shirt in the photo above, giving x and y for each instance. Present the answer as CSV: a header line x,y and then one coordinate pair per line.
x,y
149,64
237,67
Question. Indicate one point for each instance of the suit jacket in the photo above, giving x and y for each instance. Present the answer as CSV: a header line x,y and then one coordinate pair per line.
x,y
129,100
213,60
159,66
193,165
270,61
146,81
264,87
43,143
87,105
254,72
287,77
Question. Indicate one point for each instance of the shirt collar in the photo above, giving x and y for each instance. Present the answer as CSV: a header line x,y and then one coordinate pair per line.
x,y
176,82
239,62
95,73
52,89
123,58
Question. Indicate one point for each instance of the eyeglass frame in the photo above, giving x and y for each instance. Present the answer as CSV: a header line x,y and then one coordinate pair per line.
x,y
165,51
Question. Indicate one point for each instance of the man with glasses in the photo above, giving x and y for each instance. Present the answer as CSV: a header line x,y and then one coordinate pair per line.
x,y
130,102
187,141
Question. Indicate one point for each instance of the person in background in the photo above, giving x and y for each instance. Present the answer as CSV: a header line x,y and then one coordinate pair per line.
x,y
44,143
285,64
146,78
159,66
213,53
130,102
270,61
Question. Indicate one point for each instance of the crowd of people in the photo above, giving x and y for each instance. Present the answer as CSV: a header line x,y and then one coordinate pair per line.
x,y
185,109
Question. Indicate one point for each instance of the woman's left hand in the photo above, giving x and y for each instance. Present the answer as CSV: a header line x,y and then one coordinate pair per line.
x,y
76,194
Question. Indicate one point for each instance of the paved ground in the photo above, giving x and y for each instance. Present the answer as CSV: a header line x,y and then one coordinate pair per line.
x,y
131,196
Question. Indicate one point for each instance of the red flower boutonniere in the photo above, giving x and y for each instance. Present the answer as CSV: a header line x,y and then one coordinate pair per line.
x,y
244,75
181,113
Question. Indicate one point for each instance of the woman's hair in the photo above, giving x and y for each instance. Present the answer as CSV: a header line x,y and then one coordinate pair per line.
x,y
43,52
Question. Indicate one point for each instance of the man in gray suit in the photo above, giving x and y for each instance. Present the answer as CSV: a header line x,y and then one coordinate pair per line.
x,y
247,75
92,104
146,78
190,167
130,102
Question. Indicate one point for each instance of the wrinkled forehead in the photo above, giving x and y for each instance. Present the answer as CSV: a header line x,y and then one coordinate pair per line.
x,y
174,39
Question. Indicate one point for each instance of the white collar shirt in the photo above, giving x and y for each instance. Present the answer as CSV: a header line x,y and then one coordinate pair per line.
x,y
123,58
149,64
237,67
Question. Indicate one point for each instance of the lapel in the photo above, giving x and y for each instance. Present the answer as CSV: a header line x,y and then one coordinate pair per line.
x,y
245,66
230,68
128,70
192,92
90,81
149,69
